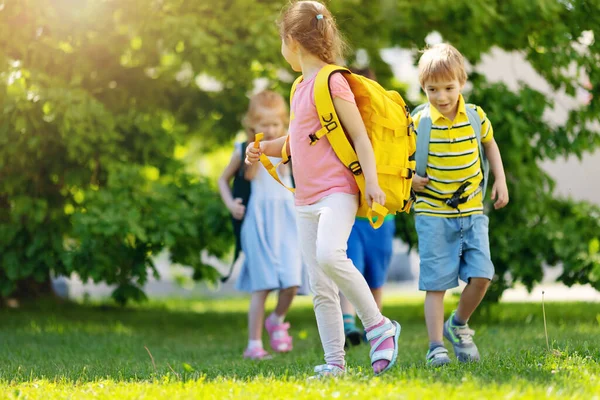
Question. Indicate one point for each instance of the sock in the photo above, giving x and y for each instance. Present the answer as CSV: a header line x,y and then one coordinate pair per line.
x,y
349,322
255,344
456,321
388,343
276,319
435,345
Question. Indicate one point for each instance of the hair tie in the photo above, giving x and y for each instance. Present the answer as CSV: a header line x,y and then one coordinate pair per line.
x,y
319,16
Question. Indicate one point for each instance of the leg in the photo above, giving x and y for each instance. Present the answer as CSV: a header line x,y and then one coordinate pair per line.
x,y
336,218
470,298
256,314
347,307
325,292
437,355
439,249
335,223
356,253
378,296
477,269
279,337
286,296
434,315
378,258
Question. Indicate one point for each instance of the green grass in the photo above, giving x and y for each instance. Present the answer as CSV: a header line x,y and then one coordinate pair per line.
x,y
98,352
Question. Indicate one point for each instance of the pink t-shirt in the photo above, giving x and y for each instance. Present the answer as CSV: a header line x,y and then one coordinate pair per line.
x,y
318,172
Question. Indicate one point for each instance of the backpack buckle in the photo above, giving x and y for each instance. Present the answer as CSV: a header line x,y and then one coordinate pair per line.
x,y
355,168
410,129
313,138
330,123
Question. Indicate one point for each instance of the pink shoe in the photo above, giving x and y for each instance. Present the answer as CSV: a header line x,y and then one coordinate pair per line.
x,y
257,353
280,340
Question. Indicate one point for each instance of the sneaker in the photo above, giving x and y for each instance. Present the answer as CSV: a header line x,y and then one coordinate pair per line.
x,y
280,340
437,357
257,353
354,337
461,338
327,371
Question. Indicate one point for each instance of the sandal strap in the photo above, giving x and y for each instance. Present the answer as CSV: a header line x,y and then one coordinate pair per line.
x,y
380,330
388,333
327,369
378,355
438,351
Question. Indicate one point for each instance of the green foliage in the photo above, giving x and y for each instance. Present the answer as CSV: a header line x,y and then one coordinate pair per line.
x,y
91,117
119,229
97,94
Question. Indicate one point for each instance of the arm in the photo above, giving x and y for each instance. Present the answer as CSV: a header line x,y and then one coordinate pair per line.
x,y
499,190
271,148
353,123
251,171
235,206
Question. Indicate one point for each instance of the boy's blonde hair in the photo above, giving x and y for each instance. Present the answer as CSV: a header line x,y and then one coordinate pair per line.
x,y
265,99
312,25
442,62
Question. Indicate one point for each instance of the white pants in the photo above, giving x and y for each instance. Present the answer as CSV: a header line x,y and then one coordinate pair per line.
x,y
323,231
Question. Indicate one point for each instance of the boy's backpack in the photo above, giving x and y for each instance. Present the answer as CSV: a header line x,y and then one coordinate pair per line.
x,y
241,188
390,129
422,153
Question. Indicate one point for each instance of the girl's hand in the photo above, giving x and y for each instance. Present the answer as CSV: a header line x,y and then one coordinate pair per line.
x,y
419,183
373,193
252,153
500,194
237,208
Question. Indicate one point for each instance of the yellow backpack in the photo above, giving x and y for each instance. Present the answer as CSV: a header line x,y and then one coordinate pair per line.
x,y
390,129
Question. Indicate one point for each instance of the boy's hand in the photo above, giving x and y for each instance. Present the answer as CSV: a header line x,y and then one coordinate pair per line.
x,y
252,153
500,194
237,208
419,183
373,193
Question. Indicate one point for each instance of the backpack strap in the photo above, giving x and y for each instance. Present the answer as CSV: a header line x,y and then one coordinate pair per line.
x,y
242,189
475,121
331,128
271,169
423,136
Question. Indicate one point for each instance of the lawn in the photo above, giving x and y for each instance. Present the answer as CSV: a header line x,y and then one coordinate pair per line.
x,y
192,349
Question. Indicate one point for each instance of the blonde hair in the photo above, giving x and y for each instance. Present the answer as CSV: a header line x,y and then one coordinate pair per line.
x,y
312,25
265,99
442,62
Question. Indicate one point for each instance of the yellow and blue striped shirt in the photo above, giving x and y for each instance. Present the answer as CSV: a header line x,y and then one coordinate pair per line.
x,y
453,159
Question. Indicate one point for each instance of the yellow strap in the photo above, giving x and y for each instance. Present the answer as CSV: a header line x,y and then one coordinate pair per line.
x,y
379,211
271,169
337,137
391,170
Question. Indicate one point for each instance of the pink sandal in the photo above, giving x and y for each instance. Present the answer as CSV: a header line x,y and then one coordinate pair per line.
x,y
257,353
280,340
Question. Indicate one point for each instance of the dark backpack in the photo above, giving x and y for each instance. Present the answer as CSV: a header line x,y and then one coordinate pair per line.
x,y
240,189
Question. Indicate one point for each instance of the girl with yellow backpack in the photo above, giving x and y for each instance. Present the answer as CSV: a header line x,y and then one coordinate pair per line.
x,y
335,179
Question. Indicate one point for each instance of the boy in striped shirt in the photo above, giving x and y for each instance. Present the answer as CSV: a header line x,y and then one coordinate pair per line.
x,y
451,226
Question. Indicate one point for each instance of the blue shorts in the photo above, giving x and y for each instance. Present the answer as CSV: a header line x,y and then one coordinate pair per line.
x,y
446,256
371,250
